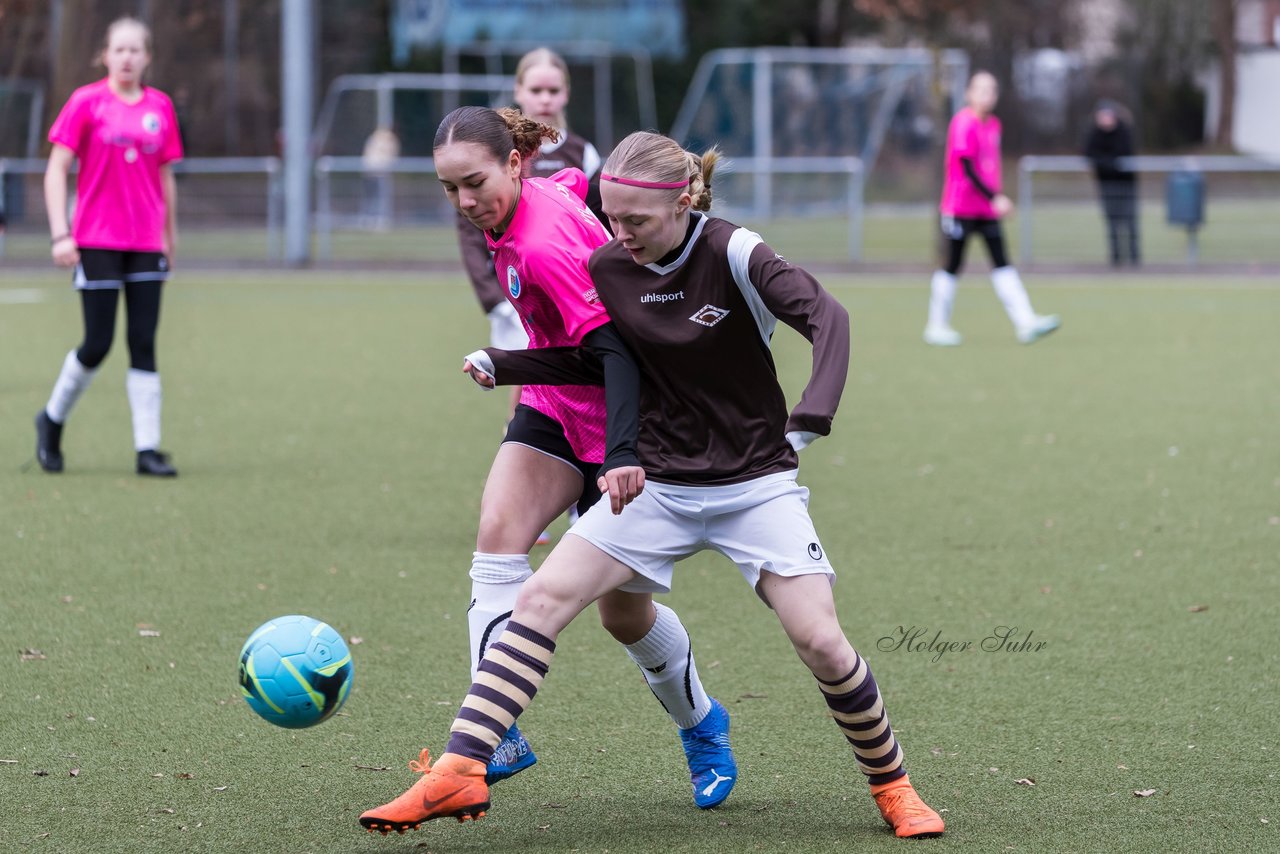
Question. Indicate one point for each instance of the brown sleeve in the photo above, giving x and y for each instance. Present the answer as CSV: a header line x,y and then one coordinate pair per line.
x,y
546,366
798,300
479,265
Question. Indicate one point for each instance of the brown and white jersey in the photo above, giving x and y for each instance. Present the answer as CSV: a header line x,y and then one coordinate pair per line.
x,y
569,151
711,408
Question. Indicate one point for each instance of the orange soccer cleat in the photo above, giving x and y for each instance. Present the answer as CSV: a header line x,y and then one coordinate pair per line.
x,y
452,788
904,811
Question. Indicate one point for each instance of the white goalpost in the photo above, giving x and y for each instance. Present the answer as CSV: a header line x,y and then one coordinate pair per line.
x,y
808,125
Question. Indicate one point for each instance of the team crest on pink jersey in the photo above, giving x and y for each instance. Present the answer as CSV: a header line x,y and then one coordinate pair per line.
x,y
709,315
513,282
151,123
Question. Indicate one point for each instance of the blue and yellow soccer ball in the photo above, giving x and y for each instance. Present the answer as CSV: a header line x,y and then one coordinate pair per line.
x,y
295,671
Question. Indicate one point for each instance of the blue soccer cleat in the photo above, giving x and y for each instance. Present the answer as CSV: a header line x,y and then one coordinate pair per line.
x,y
711,765
512,756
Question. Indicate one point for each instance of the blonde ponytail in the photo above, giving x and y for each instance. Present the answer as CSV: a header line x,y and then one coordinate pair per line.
x,y
700,172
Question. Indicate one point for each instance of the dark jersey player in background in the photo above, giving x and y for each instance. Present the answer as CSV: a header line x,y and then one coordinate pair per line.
x,y
702,454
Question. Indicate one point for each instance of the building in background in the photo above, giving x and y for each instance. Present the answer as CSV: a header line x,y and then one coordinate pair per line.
x,y
658,25
1256,118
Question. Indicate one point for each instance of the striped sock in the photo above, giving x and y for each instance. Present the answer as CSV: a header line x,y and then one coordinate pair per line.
x,y
509,676
856,705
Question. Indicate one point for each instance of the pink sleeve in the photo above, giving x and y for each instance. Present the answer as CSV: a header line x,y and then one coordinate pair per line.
x,y
964,135
574,179
68,127
563,274
173,139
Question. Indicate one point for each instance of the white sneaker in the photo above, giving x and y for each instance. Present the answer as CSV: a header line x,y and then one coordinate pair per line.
x,y
1043,325
941,336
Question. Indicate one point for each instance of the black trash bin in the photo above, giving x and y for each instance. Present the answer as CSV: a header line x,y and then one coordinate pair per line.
x,y
1184,205
1184,198
11,203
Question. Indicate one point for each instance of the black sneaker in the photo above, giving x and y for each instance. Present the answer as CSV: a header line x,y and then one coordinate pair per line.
x,y
155,464
48,443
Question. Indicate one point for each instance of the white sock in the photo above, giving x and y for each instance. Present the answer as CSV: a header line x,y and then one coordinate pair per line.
x,y
1017,304
942,293
495,584
666,660
72,380
143,388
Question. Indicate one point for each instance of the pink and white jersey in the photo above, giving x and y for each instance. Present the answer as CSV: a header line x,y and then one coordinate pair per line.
x,y
979,140
121,146
541,262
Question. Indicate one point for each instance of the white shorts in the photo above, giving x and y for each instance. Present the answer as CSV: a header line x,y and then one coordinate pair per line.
x,y
762,525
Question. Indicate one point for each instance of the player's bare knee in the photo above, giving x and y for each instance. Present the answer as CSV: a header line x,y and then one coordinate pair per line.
x,y
822,647
542,594
496,529
533,595
491,521
626,619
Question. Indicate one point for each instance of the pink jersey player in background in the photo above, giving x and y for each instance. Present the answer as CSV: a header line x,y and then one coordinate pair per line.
x,y
125,136
972,203
542,235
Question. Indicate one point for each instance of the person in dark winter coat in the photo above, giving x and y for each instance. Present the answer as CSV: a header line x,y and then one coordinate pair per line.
x,y
1110,139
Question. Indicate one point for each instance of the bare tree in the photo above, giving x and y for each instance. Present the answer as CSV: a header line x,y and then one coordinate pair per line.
x,y
1225,13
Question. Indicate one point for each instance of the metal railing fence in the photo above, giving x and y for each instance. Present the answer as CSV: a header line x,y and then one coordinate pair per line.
x,y
221,204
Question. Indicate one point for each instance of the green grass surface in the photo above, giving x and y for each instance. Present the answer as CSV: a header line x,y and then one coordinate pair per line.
x,y
1090,490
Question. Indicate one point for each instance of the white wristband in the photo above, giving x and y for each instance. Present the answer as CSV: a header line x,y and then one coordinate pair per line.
x,y
801,439
480,361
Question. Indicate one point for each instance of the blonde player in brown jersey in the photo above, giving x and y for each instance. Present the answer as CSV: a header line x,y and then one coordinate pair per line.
x,y
712,465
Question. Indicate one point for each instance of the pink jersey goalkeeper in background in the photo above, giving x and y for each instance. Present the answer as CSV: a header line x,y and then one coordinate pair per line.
x,y
979,140
121,147
541,263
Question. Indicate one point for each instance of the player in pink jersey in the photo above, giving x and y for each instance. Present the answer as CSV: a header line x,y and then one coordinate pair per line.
x,y
125,136
542,94
542,235
972,203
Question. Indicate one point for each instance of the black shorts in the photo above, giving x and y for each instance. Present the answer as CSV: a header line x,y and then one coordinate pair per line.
x,y
110,269
960,227
957,229
533,429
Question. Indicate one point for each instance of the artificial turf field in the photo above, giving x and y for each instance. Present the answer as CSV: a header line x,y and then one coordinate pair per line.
x,y
1113,492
